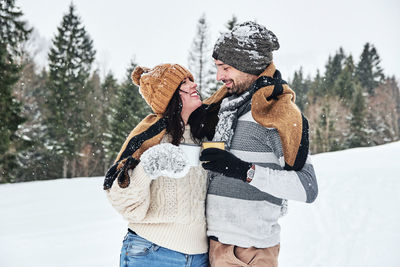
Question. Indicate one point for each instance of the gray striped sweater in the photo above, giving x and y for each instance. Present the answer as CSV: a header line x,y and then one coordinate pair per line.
x,y
246,214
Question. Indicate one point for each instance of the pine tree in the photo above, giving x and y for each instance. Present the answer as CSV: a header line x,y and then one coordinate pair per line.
x,y
369,71
109,88
346,84
344,113
231,23
30,90
127,110
70,60
91,151
332,71
358,133
316,87
13,33
301,86
200,59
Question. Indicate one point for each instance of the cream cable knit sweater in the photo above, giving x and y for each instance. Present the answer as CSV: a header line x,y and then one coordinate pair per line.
x,y
168,212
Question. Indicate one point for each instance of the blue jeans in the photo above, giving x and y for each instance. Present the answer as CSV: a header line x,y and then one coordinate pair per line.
x,y
137,251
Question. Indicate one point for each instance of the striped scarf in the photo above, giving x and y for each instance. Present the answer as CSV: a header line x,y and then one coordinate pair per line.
x,y
234,106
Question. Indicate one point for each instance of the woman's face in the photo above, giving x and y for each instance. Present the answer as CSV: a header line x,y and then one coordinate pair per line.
x,y
189,95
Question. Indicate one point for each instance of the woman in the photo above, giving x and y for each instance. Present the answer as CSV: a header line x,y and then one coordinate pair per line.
x,y
151,184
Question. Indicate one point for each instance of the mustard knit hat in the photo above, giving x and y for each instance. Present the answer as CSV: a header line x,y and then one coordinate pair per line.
x,y
158,85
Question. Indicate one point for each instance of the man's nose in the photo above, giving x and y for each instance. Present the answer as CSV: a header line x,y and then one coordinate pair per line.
x,y
219,75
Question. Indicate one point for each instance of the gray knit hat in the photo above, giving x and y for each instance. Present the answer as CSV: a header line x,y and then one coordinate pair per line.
x,y
248,47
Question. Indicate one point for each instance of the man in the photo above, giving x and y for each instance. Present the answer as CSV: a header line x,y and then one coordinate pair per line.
x,y
266,160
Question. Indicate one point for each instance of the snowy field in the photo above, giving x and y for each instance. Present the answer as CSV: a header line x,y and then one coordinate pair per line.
x,y
354,222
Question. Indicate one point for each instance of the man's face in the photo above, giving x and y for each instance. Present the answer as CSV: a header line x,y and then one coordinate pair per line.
x,y
235,80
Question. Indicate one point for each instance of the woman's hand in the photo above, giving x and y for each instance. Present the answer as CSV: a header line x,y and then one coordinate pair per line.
x,y
165,160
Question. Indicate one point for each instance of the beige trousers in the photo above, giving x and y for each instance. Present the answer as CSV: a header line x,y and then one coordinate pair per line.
x,y
222,255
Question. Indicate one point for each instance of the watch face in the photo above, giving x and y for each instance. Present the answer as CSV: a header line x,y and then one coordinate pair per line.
x,y
250,173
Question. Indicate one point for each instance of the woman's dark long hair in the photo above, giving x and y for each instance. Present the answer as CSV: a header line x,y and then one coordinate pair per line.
x,y
202,121
175,124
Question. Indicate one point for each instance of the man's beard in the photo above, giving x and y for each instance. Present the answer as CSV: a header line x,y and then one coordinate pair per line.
x,y
239,87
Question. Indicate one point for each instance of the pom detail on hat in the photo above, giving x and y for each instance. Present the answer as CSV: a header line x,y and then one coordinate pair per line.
x,y
137,73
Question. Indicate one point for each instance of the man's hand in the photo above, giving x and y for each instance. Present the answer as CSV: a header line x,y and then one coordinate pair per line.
x,y
224,162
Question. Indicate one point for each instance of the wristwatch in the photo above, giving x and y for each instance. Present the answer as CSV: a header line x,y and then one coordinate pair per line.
x,y
250,173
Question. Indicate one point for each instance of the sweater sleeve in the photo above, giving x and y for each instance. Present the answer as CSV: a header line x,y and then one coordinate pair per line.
x,y
132,202
295,185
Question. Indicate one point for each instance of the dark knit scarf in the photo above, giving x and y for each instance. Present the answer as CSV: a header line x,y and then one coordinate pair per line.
x,y
147,133
235,106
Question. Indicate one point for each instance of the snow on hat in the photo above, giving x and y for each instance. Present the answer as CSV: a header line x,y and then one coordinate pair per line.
x,y
159,84
248,47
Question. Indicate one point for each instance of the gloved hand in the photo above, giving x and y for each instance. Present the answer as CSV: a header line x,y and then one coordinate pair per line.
x,y
224,162
165,160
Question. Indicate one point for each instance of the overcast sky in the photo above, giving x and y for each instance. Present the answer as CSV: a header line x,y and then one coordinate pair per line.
x,y
161,31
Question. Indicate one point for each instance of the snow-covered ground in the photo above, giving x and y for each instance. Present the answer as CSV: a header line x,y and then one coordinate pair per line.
x,y
355,220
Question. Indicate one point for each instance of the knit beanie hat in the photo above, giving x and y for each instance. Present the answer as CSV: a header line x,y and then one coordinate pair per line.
x,y
248,47
158,85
